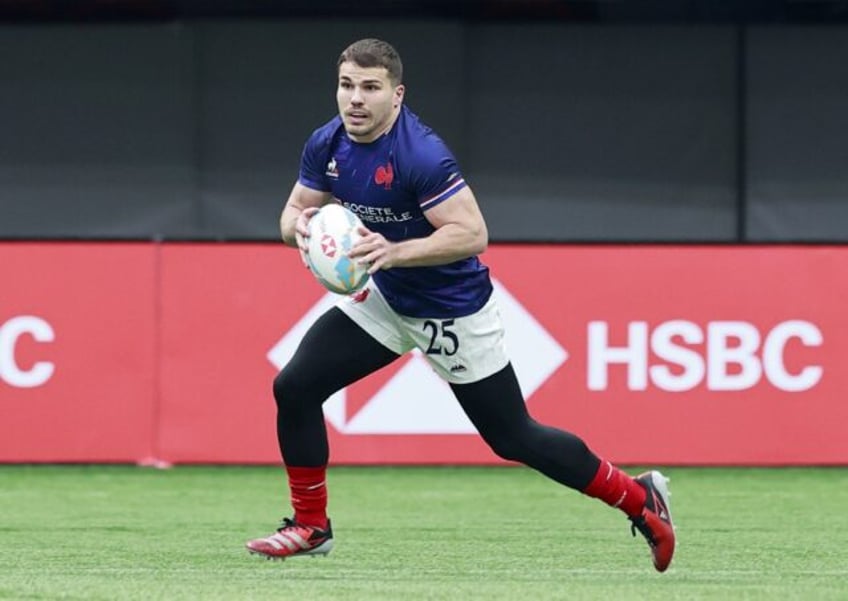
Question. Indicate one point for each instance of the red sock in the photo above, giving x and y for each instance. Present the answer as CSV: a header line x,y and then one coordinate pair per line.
x,y
308,486
617,489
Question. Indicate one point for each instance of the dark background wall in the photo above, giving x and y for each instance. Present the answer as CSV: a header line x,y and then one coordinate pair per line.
x,y
573,121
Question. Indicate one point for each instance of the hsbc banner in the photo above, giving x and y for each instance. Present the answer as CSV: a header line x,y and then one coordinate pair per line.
x,y
653,354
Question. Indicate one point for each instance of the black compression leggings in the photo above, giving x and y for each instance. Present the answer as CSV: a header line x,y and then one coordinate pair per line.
x,y
336,352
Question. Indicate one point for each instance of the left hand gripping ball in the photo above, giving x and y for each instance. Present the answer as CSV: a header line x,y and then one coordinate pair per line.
x,y
332,233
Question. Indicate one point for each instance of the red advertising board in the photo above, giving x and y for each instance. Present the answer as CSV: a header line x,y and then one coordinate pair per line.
x,y
653,354
77,352
223,308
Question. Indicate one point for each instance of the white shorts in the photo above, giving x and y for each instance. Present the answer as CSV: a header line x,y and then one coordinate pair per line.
x,y
461,350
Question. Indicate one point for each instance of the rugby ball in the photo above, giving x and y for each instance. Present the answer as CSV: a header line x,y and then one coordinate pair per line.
x,y
332,233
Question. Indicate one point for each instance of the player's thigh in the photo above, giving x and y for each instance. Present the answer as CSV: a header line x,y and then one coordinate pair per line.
x,y
334,353
494,404
462,349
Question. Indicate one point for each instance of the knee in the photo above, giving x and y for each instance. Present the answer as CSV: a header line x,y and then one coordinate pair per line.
x,y
507,449
288,387
294,390
507,443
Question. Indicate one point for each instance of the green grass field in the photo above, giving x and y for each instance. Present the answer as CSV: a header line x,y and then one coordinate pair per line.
x,y
113,532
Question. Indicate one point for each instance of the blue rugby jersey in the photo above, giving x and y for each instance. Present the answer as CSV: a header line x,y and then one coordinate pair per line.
x,y
389,183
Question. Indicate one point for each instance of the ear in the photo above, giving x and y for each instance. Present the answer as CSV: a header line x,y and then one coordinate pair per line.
x,y
399,92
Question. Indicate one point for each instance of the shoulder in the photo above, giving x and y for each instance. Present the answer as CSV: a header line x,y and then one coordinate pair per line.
x,y
415,131
323,136
314,159
419,144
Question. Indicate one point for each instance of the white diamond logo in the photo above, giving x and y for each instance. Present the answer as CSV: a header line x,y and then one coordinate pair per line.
x,y
416,400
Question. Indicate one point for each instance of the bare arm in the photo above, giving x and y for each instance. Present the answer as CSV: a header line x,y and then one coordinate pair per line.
x,y
460,232
303,202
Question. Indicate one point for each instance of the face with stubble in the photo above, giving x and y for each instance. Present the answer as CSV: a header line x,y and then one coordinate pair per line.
x,y
368,102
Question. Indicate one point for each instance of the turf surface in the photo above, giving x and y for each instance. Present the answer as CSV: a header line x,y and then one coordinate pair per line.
x,y
117,532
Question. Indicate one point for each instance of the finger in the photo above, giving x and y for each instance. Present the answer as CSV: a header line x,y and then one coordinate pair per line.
x,y
302,228
362,248
302,223
364,241
370,258
356,252
374,266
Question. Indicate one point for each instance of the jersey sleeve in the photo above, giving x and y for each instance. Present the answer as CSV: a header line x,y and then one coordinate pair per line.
x,y
313,162
436,175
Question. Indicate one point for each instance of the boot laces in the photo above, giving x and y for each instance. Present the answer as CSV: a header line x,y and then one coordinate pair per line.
x,y
639,523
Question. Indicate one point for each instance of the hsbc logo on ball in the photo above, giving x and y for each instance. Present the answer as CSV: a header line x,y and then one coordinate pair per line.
x,y
680,355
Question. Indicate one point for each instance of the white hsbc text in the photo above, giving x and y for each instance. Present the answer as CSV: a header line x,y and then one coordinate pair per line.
x,y
679,355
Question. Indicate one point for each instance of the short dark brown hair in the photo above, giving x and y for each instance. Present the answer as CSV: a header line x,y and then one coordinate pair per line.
x,y
372,52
